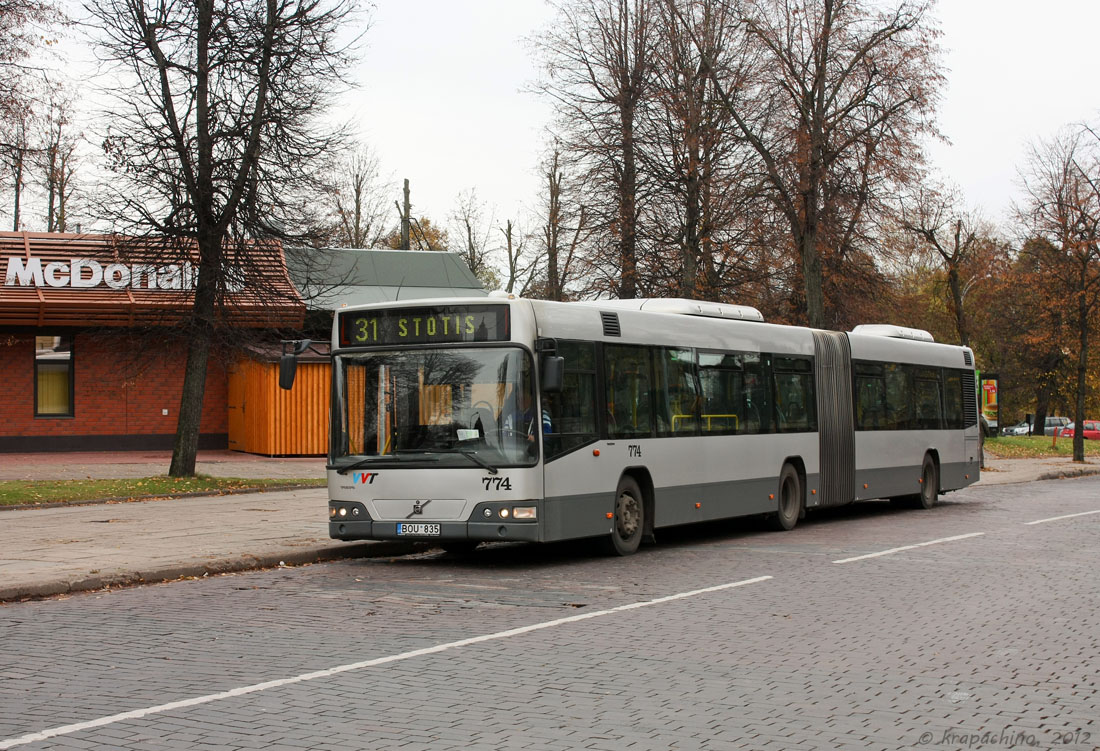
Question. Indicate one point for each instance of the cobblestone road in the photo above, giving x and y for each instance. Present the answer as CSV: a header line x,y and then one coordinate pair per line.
x,y
982,641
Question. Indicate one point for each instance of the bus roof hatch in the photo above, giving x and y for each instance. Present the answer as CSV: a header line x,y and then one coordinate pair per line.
x,y
685,307
894,332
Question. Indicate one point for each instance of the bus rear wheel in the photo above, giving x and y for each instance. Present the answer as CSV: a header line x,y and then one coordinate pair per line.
x,y
929,485
629,520
790,500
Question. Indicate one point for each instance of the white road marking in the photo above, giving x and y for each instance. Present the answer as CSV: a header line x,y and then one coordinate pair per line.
x,y
137,714
1059,518
891,551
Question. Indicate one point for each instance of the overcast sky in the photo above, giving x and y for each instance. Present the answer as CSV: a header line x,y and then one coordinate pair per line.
x,y
443,95
443,102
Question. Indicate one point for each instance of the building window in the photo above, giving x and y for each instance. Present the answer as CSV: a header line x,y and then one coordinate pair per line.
x,y
53,376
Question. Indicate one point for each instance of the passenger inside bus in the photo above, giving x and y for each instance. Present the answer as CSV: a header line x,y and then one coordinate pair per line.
x,y
523,423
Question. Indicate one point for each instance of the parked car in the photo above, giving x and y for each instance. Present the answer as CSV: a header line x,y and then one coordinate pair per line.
x,y
1053,424
1091,431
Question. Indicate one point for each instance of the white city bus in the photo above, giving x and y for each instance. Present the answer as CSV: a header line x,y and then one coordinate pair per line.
x,y
459,422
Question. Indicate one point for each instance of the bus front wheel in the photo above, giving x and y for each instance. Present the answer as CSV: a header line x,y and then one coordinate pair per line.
x,y
790,500
629,519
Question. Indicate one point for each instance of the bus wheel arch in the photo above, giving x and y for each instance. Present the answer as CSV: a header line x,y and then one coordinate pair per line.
x,y
632,513
790,496
930,480
649,494
926,496
800,468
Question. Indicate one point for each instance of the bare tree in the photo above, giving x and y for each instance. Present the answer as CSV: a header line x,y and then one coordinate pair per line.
x,y
360,200
18,154
564,228
952,235
475,230
520,270
57,158
1062,206
692,146
840,97
214,142
598,59
23,30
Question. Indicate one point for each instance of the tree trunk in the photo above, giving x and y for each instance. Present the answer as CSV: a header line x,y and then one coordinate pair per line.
x,y
18,191
553,229
1082,374
812,277
186,446
51,189
1042,404
689,283
957,301
628,250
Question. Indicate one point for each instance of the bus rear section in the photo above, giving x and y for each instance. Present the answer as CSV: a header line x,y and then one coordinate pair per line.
x,y
915,415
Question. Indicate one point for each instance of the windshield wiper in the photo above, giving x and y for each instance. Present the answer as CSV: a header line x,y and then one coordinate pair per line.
x,y
472,456
357,465
382,458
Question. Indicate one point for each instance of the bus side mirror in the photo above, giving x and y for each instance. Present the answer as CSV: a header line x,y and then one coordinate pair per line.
x,y
553,373
288,363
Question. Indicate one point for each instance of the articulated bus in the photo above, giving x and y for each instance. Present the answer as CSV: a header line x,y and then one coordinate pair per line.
x,y
504,419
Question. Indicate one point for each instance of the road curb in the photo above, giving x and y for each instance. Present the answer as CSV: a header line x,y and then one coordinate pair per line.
x,y
1065,474
247,562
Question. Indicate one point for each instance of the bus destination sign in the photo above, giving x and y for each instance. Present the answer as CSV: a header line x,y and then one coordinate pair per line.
x,y
429,325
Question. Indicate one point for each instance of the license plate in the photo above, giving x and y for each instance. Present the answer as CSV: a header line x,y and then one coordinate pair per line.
x,y
420,530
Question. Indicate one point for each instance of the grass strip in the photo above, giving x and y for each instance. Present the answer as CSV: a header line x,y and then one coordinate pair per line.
x,y
1036,447
20,492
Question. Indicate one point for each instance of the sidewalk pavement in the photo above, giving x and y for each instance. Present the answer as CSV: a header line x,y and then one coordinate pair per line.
x,y
62,549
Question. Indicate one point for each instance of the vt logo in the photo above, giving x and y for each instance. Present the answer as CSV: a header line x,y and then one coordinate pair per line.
x,y
364,478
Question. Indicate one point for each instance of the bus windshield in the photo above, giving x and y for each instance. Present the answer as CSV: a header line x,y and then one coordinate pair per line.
x,y
458,407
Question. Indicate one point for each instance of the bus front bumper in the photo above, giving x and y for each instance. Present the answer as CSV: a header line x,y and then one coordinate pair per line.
x,y
356,524
448,531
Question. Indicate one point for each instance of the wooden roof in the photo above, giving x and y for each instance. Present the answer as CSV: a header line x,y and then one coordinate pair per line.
x,y
51,279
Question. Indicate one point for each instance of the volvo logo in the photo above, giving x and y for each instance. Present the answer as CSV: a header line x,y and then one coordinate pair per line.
x,y
418,508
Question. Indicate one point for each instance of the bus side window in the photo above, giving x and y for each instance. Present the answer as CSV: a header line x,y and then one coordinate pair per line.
x,y
572,411
677,396
756,403
927,399
721,391
953,399
629,391
795,406
870,396
898,404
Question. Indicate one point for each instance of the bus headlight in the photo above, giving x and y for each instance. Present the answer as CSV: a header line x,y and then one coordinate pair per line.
x,y
504,513
524,512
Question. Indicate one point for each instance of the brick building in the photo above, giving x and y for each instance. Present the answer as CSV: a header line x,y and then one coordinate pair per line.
x,y
89,358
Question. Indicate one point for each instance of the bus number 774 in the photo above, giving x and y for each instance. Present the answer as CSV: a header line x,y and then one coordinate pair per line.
x,y
497,483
